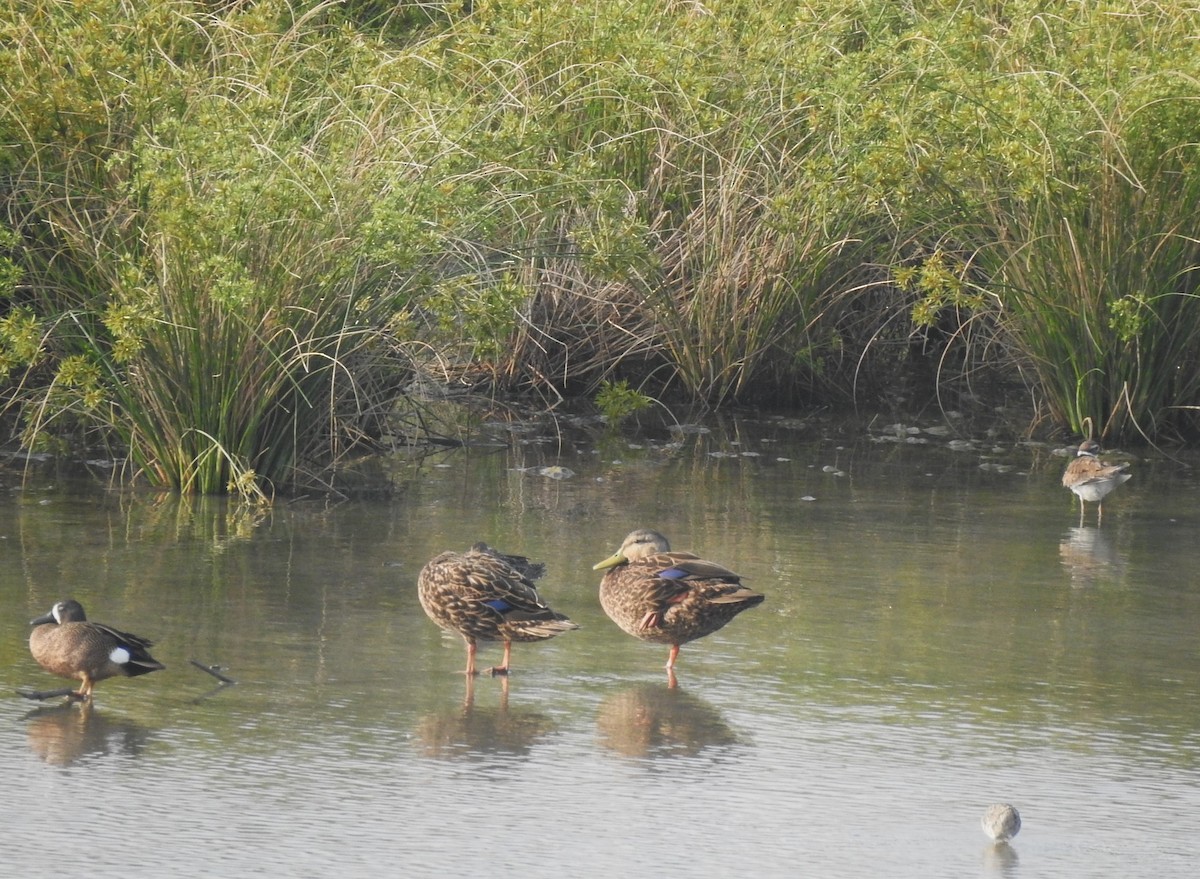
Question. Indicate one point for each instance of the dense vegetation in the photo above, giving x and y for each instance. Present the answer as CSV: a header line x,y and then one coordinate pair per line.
x,y
233,232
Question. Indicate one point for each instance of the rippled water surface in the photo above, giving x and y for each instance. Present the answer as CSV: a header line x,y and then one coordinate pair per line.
x,y
940,633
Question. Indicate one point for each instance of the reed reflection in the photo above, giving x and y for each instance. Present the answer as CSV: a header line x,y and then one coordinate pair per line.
x,y
64,734
650,720
1089,556
469,730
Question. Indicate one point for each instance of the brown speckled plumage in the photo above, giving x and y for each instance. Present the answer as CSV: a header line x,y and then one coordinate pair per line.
x,y
486,595
1001,822
1091,479
669,597
65,643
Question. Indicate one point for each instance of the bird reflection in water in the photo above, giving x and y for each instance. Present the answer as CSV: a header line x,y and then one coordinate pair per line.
x,y
64,734
651,720
1000,858
1089,556
470,730
1001,822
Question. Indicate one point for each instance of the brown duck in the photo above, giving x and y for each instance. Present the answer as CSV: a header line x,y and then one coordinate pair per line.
x,y
66,643
486,595
669,597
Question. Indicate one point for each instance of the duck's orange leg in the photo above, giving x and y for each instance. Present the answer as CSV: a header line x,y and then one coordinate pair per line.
x,y
502,669
471,657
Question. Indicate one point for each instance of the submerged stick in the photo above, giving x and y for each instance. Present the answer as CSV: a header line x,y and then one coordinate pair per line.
x,y
43,695
212,670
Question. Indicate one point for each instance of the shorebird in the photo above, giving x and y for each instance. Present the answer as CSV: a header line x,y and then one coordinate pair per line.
x,y
485,595
1091,479
1001,822
669,597
65,643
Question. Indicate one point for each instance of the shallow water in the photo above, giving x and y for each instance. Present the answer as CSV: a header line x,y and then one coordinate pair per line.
x,y
939,634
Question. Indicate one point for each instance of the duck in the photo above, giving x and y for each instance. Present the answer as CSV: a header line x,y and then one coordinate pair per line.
x,y
487,595
66,643
1091,479
669,597
531,570
1001,822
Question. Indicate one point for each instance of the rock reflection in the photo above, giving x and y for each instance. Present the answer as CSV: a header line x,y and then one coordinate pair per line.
x,y
1089,555
651,720
64,734
470,730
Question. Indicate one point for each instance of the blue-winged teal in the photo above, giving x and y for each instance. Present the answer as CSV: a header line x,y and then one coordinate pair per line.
x,y
485,595
669,597
1091,479
65,643
1001,822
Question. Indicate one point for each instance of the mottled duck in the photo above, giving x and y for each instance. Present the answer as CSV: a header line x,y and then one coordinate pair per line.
x,y
486,595
669,597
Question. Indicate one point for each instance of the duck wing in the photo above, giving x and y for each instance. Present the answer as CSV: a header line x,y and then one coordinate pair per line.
x,y
491,581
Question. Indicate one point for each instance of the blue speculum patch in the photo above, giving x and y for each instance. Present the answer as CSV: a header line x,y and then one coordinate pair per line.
x,y
673,574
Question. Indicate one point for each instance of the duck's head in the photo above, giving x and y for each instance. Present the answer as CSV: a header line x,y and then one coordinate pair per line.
x,y
637,545
68,611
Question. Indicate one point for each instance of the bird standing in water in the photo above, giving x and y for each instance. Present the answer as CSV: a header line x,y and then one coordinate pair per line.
x,y
486,595
1091,479
1001,822
65,643
669,597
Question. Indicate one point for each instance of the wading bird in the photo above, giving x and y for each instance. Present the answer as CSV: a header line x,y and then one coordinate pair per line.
x,y
1091,479
1001,822
65,643
485,595
669,597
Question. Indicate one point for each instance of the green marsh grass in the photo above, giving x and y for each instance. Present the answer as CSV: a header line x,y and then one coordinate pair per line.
x,y
1102,302
233,231
205,310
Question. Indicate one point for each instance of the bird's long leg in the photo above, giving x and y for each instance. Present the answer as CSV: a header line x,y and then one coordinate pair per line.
x,y
471,657
502,669
1099,512
672,656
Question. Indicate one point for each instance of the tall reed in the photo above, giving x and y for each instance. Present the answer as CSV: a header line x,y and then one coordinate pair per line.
x,y
1101,296
216,321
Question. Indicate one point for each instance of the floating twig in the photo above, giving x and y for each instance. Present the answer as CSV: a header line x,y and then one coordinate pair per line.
x,y
212,670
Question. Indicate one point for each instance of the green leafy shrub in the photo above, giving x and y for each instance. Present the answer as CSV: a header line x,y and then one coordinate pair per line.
x,y
617,401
